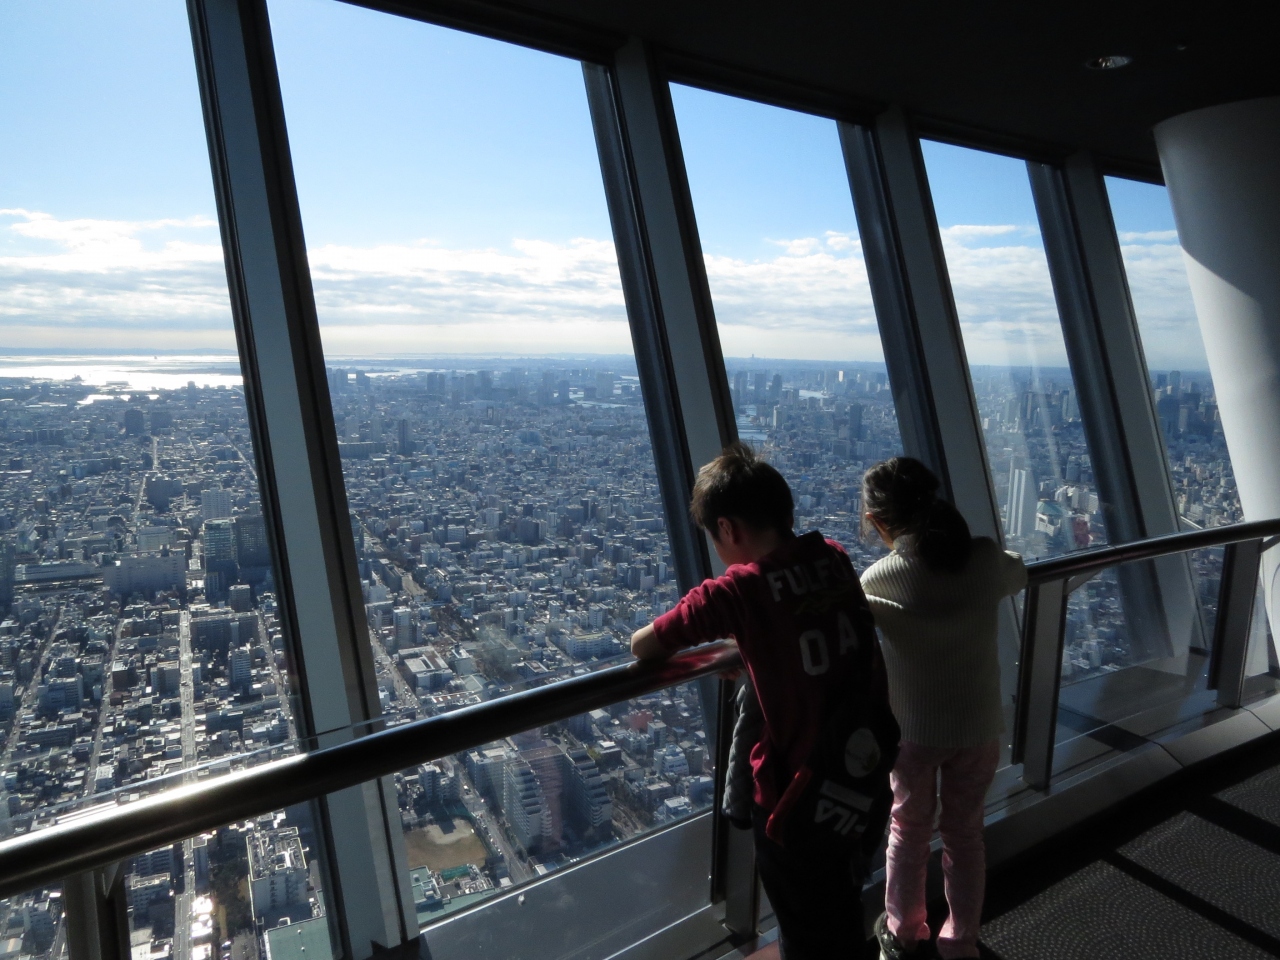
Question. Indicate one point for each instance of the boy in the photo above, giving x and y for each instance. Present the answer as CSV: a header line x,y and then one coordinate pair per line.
x,y
796,608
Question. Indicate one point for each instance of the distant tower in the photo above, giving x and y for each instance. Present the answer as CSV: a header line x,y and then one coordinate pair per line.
x,y
604,386
855,421
404,437
241,674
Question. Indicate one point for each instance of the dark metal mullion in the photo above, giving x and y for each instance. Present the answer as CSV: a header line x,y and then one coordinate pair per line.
x,y
1090,372
255,410
936,340
732,862
1099,407
648,336
899,334
299,471
920,329
657,385
691,243
268,492
676,340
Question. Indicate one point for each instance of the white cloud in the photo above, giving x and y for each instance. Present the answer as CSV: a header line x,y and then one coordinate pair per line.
x,y
111,282
1161,296
963,230
1153,236
1004,297
160,284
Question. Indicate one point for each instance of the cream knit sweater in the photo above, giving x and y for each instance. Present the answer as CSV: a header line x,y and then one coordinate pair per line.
x,y
939,633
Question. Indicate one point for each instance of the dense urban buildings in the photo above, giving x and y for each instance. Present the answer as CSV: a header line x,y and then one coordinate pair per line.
x,y
509,531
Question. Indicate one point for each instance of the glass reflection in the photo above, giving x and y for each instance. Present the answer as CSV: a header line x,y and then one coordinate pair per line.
x,y
1017,356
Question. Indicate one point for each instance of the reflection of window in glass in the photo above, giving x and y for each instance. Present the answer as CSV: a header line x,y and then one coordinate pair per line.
x,y
793,304
1199,463
494,443
139,635
1184,399
1017,357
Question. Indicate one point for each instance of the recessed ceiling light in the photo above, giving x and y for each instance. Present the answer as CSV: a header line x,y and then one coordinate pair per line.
x,y
1111,62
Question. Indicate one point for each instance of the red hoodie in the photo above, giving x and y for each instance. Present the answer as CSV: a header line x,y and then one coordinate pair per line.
x,y
803,626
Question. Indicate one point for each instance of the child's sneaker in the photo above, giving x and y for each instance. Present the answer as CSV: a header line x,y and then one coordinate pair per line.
x,y
891,948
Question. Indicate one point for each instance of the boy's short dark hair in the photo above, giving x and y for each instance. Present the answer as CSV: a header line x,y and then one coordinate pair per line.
x,y
739,484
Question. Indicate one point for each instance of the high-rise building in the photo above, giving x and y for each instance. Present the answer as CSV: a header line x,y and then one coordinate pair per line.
x,y
252,549
277,874
240,597
219,541
604,386
855,421
404,437
6,575
525,806
240,673
589,809
1021,505
146,573
135,423
215,503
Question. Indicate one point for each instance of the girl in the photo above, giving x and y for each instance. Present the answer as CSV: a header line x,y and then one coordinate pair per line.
x,y
935,599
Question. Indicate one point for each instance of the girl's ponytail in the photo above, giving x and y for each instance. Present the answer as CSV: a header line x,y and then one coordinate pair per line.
x,y
902,494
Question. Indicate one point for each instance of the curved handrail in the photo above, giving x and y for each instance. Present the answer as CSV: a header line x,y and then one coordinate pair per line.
x,y
93,840
1091,561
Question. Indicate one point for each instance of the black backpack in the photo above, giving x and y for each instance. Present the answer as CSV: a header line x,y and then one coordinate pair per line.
x,y
840,799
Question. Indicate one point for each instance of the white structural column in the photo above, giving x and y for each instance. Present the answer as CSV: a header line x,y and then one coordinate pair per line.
x,y
1222,167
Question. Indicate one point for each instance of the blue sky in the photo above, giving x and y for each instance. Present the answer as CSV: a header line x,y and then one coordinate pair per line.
x,y
100,113
759,173
451,196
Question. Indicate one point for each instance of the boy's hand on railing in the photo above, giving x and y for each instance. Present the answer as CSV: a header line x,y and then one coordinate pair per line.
x,y
646,646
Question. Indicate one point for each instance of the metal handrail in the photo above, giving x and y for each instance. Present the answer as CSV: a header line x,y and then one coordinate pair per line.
x,y
96,839
1049,582
85,842
1091,561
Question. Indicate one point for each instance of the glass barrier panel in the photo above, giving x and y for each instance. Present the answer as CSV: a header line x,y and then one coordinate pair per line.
x,y
1025,390
493,435
247,890
1124,679
792,300
33,925
487,820
1182,388
139,636
1262,668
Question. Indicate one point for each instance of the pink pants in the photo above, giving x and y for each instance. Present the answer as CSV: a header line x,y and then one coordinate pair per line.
x,y
967,773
